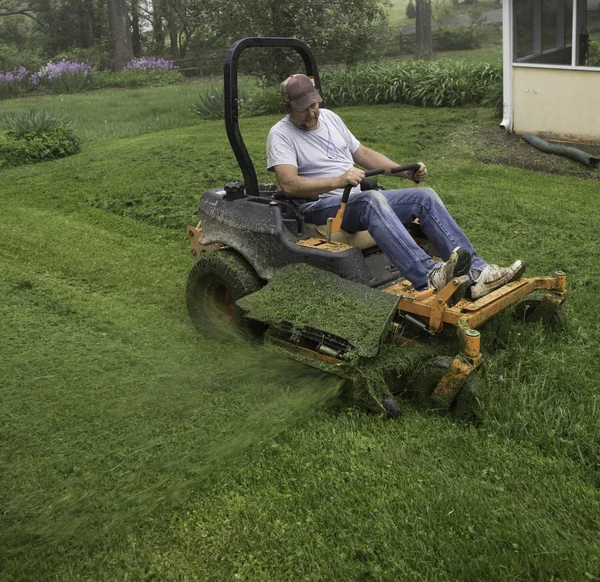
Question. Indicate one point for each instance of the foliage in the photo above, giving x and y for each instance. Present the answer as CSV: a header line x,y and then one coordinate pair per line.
x,y
65,76
134,77
210,102
34,136
437,83
493,97
14,57
443,13
150,63
411,11
345,31
455,38
259,101
14,83
593,59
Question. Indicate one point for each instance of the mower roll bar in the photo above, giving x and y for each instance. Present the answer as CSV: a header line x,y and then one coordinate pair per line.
x,y
231,95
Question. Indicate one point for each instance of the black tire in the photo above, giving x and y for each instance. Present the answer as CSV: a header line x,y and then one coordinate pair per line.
x,y
215,283
392,407
531,310
466,405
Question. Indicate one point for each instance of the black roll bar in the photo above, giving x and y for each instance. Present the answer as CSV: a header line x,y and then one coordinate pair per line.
x,y
231,95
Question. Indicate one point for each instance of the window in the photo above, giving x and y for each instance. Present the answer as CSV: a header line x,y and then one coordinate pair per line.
x,y
589,55
543,32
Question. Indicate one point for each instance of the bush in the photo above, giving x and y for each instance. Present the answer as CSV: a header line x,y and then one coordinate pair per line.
x,y
12,57
210,103
434,83
411,11
457,38
34,136
134,78
64,76
262,101
14,83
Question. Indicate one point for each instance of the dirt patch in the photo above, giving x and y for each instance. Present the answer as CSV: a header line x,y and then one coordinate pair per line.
x,y
498,147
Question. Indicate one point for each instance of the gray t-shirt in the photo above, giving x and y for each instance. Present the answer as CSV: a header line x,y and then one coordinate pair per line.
x,y
325,152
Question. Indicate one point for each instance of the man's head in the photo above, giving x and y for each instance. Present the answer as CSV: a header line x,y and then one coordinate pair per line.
x,y
301,100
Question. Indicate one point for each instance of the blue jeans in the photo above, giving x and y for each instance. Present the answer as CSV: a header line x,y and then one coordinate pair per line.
x,y
384,215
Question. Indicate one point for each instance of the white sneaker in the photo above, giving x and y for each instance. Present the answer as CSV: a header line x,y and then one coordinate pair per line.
x,y
458,263
492,277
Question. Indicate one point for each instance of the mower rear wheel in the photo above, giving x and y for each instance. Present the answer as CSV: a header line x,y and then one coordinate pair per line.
x,y
466,405
531,310
214,285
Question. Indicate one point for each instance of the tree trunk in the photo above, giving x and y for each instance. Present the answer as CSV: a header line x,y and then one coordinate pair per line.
x,y
424,48
158,32
173,36
136,36
121,34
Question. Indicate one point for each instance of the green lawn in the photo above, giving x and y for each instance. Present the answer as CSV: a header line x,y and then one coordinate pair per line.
x,y
131,448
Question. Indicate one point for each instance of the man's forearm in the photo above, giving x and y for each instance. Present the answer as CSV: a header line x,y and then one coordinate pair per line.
x,y
301,187
370,159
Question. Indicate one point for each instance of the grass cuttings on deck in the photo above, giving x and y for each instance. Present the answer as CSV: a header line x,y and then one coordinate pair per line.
x,y
307,297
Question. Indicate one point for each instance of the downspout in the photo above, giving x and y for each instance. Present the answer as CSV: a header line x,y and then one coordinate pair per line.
x,y
507,64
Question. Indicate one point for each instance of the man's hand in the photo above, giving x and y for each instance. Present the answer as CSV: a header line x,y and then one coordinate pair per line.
x,y
417,176
420,174
353,176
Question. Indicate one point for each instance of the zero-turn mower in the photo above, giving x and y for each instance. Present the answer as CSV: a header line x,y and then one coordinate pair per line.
x,y
332,299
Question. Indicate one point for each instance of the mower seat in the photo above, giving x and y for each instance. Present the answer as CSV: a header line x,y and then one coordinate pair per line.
x,y
361,239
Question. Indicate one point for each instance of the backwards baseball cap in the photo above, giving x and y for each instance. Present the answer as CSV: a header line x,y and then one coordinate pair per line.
x,y
299,92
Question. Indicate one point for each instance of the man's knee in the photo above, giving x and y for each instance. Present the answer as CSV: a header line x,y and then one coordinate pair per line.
x,y
428,196
374,198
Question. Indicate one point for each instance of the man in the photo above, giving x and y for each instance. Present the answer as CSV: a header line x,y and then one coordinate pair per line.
x,y
313,153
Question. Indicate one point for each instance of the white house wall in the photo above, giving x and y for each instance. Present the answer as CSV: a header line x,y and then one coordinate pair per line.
x,y
557,102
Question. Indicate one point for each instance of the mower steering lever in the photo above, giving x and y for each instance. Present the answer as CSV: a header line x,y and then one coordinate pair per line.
x,y
377,171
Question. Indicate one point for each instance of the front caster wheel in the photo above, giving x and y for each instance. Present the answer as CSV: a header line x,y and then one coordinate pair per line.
x,y
392,408
466,405
533,310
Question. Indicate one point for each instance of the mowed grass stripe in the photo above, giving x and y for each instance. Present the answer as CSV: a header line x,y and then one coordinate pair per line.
x,y
133,448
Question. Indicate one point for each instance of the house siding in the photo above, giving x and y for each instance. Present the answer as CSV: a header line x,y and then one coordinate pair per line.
x,y
557,102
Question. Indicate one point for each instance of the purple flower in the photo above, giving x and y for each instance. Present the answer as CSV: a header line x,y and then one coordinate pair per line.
x,y
55,70
146,63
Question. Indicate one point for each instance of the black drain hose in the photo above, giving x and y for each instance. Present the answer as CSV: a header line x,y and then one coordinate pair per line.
x,y
561,150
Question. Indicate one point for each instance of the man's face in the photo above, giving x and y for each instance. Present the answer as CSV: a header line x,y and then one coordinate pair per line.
x,y
306,119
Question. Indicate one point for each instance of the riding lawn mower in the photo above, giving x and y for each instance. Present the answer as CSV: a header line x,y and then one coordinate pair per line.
x,y
332,299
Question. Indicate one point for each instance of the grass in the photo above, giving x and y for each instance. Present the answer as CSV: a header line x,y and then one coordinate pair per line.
x,y
133,449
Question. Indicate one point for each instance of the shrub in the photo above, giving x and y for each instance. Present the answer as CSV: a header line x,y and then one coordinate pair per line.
x,y
142,72
265,101
150,63
34,136
411,11
493,97
262,101
63,77
210,102
457,38
14,83
12,57
435,83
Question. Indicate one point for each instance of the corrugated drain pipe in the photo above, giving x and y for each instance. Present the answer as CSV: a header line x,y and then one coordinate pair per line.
x,y
561,150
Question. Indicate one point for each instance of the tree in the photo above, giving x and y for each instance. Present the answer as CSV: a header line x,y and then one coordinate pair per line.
x,y
424,48
120,32
337,30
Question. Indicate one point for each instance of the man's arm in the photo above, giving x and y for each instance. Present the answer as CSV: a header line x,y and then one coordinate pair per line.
x,y
370,159
299,187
